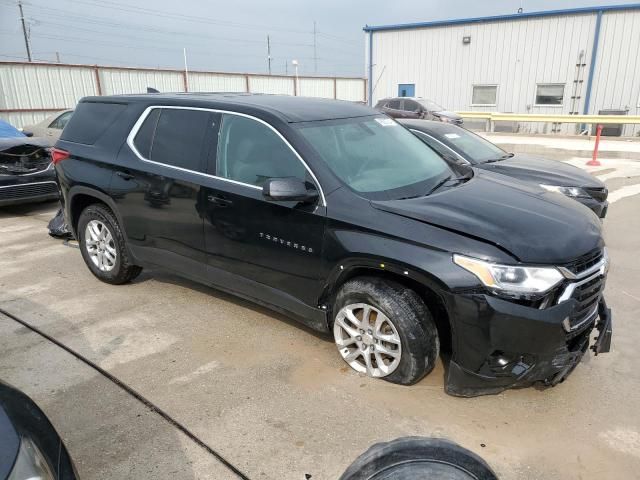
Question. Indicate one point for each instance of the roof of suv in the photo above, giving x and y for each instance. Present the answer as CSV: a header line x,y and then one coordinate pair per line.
x,y
288,108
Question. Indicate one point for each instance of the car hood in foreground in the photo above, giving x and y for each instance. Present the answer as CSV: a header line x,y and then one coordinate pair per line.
x,y
542,170
531,224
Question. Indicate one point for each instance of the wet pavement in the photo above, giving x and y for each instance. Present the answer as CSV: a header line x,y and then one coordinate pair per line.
x,y
274,398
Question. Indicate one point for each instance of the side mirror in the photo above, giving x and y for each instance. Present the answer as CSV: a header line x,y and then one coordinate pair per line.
x,y
288,189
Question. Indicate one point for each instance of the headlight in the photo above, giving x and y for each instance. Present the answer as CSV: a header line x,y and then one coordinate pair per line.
x,y
31,463
511,279
575,192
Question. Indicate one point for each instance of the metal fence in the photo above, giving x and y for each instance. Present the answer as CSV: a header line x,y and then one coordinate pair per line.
x,y
29,92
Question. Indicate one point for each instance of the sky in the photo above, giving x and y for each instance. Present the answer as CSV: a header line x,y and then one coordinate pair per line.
x,y
228,35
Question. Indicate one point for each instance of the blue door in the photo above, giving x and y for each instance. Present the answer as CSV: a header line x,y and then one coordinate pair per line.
x,y
407,90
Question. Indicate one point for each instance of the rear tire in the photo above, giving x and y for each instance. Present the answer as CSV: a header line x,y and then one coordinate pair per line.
x,y
103,246
384,330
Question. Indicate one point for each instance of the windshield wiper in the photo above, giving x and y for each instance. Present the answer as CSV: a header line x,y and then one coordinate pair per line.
x,y
448,178
503,157
439,184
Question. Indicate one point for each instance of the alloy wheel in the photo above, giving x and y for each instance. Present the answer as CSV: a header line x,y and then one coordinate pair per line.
x,y
100,245
367,340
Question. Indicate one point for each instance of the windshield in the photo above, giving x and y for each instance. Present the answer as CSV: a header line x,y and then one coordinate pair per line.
x,y
376,157
471,146
430,106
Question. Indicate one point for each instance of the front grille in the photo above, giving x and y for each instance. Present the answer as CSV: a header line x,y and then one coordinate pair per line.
x,y
588,296
28,190
585,262
599,194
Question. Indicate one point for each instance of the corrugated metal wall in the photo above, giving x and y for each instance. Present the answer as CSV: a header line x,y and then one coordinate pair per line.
x,y
271,84
31,92
515,55
616,82
26,87
350,89
213,82
116,82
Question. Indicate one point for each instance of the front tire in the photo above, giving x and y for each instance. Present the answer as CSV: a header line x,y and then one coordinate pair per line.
x,y
103,246
384,330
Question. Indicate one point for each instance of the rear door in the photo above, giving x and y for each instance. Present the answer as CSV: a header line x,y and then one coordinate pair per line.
x,y
159,189
267,250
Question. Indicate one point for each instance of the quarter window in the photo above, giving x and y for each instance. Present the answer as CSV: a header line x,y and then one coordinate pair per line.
x,y
550,94
144,137
484,95
250,152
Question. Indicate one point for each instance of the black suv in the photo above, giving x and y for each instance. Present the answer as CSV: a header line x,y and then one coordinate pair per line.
x,y
336,215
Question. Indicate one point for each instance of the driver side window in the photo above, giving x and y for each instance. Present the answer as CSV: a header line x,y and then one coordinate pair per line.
x,y
251,152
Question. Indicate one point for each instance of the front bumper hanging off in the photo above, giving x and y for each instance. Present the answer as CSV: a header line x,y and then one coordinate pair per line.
x,y
515,346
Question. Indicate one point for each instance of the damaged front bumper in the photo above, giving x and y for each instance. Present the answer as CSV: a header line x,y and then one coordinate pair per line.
x,y
499,344
26,173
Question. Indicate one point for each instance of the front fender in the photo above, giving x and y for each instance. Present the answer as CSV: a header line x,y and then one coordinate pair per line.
x,y
350,251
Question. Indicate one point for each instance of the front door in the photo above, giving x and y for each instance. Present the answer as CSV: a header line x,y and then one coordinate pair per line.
x,y
268,250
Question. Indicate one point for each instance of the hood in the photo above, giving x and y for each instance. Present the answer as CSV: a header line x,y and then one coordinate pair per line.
x,y
542,170
533,225
447,114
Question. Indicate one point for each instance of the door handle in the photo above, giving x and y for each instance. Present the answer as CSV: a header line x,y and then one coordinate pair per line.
x,y
124,175
219,201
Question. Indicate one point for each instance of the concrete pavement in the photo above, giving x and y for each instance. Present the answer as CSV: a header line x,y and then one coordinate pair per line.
x,y
274,398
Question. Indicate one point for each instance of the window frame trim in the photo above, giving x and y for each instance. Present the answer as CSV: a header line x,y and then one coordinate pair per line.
x,y
552,105
495,104
143,116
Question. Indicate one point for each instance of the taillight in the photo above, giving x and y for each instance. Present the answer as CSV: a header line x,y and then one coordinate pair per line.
x,y
57,155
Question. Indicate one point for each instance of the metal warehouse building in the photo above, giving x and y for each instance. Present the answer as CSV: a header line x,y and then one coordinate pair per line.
x,y
583,60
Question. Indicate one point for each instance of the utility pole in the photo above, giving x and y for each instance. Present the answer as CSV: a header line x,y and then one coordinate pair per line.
x,y
24,31
58,57
286,67
315,50
269,53
186,70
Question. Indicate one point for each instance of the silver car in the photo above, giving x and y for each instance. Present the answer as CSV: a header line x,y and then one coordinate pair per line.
x,y
50,128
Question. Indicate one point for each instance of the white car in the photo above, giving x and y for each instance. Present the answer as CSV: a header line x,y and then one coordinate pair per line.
x,y
51,127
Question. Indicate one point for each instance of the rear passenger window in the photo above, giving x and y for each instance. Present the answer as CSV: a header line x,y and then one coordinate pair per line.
x,y
90,120
250,152
395,104
180,139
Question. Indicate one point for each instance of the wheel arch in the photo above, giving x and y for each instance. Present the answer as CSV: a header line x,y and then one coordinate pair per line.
x,y
428,287
79,198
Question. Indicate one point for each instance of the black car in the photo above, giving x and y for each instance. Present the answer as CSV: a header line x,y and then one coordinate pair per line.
x,y
26,171
417,108
462,146
336,215
30,448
